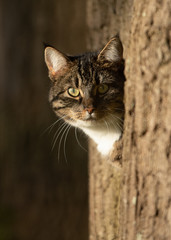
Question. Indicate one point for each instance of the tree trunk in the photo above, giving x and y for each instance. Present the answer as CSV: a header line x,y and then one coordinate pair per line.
x,y
104,197
142,188
147,140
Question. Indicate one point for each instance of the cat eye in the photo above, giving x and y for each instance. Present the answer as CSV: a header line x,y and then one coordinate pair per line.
x,y
74,92
103,88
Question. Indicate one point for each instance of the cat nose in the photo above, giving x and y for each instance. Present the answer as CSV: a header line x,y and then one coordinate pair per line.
x,y
90,110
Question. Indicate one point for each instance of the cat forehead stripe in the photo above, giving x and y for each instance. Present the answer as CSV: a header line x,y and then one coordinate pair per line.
x,y
79,80
86,71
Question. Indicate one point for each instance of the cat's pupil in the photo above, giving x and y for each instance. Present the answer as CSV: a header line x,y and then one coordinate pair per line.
x,y
74,92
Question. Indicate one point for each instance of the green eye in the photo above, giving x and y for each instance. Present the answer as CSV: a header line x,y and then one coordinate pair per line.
x,y
103,88
74,92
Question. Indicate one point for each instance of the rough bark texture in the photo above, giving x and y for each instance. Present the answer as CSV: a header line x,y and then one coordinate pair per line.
x,y
147,139
103,197
145,186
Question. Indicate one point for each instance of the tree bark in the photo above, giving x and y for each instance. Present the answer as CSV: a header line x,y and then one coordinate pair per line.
x,y
146,205
141,190
104,197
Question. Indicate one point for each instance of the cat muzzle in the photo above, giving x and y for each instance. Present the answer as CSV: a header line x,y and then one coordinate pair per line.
x,y
90,115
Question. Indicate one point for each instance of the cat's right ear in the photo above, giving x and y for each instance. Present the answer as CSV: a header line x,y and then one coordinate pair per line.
x,y
56,62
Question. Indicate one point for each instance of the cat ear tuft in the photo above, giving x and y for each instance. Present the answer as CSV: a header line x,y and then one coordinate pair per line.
x,y
55,61
112,52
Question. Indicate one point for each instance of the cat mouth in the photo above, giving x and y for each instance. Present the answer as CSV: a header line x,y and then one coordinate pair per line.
x,y
90,117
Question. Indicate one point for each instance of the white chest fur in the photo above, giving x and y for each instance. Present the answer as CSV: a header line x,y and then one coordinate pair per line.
x,y
103,136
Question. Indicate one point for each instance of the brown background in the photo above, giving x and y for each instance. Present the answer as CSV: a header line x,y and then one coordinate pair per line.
x,y
41,196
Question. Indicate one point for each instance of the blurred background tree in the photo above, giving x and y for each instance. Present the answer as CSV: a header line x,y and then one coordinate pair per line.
x,y
42,197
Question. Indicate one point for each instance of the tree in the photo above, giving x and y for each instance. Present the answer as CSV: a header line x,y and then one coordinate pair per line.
x,y
134,202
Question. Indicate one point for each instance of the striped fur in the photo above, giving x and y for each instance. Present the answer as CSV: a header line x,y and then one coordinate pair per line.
x,y
98,114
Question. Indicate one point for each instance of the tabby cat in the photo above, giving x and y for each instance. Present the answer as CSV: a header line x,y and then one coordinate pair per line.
x,y
87,91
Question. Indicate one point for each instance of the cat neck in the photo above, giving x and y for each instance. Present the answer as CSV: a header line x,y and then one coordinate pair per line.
x,y
104,136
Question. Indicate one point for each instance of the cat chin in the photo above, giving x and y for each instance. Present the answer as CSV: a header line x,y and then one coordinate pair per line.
x,y
84,123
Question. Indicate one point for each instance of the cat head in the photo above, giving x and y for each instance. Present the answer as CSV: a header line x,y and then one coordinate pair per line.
x,y
87,89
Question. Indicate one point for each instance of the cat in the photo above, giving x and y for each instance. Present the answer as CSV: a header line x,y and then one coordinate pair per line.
x,y
87,91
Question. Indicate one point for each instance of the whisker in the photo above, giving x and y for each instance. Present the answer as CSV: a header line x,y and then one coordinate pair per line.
x,y
115,125
65,139
122,110
119,126
59,146
119,118
107,126
76,136
59,128
113,115
117,121
57,134
52,125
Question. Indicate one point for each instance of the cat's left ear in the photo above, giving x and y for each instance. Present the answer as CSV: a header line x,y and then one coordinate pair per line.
x,y
112,52
56,61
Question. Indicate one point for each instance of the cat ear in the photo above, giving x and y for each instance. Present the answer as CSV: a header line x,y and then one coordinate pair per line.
x,y
56,61
112,52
